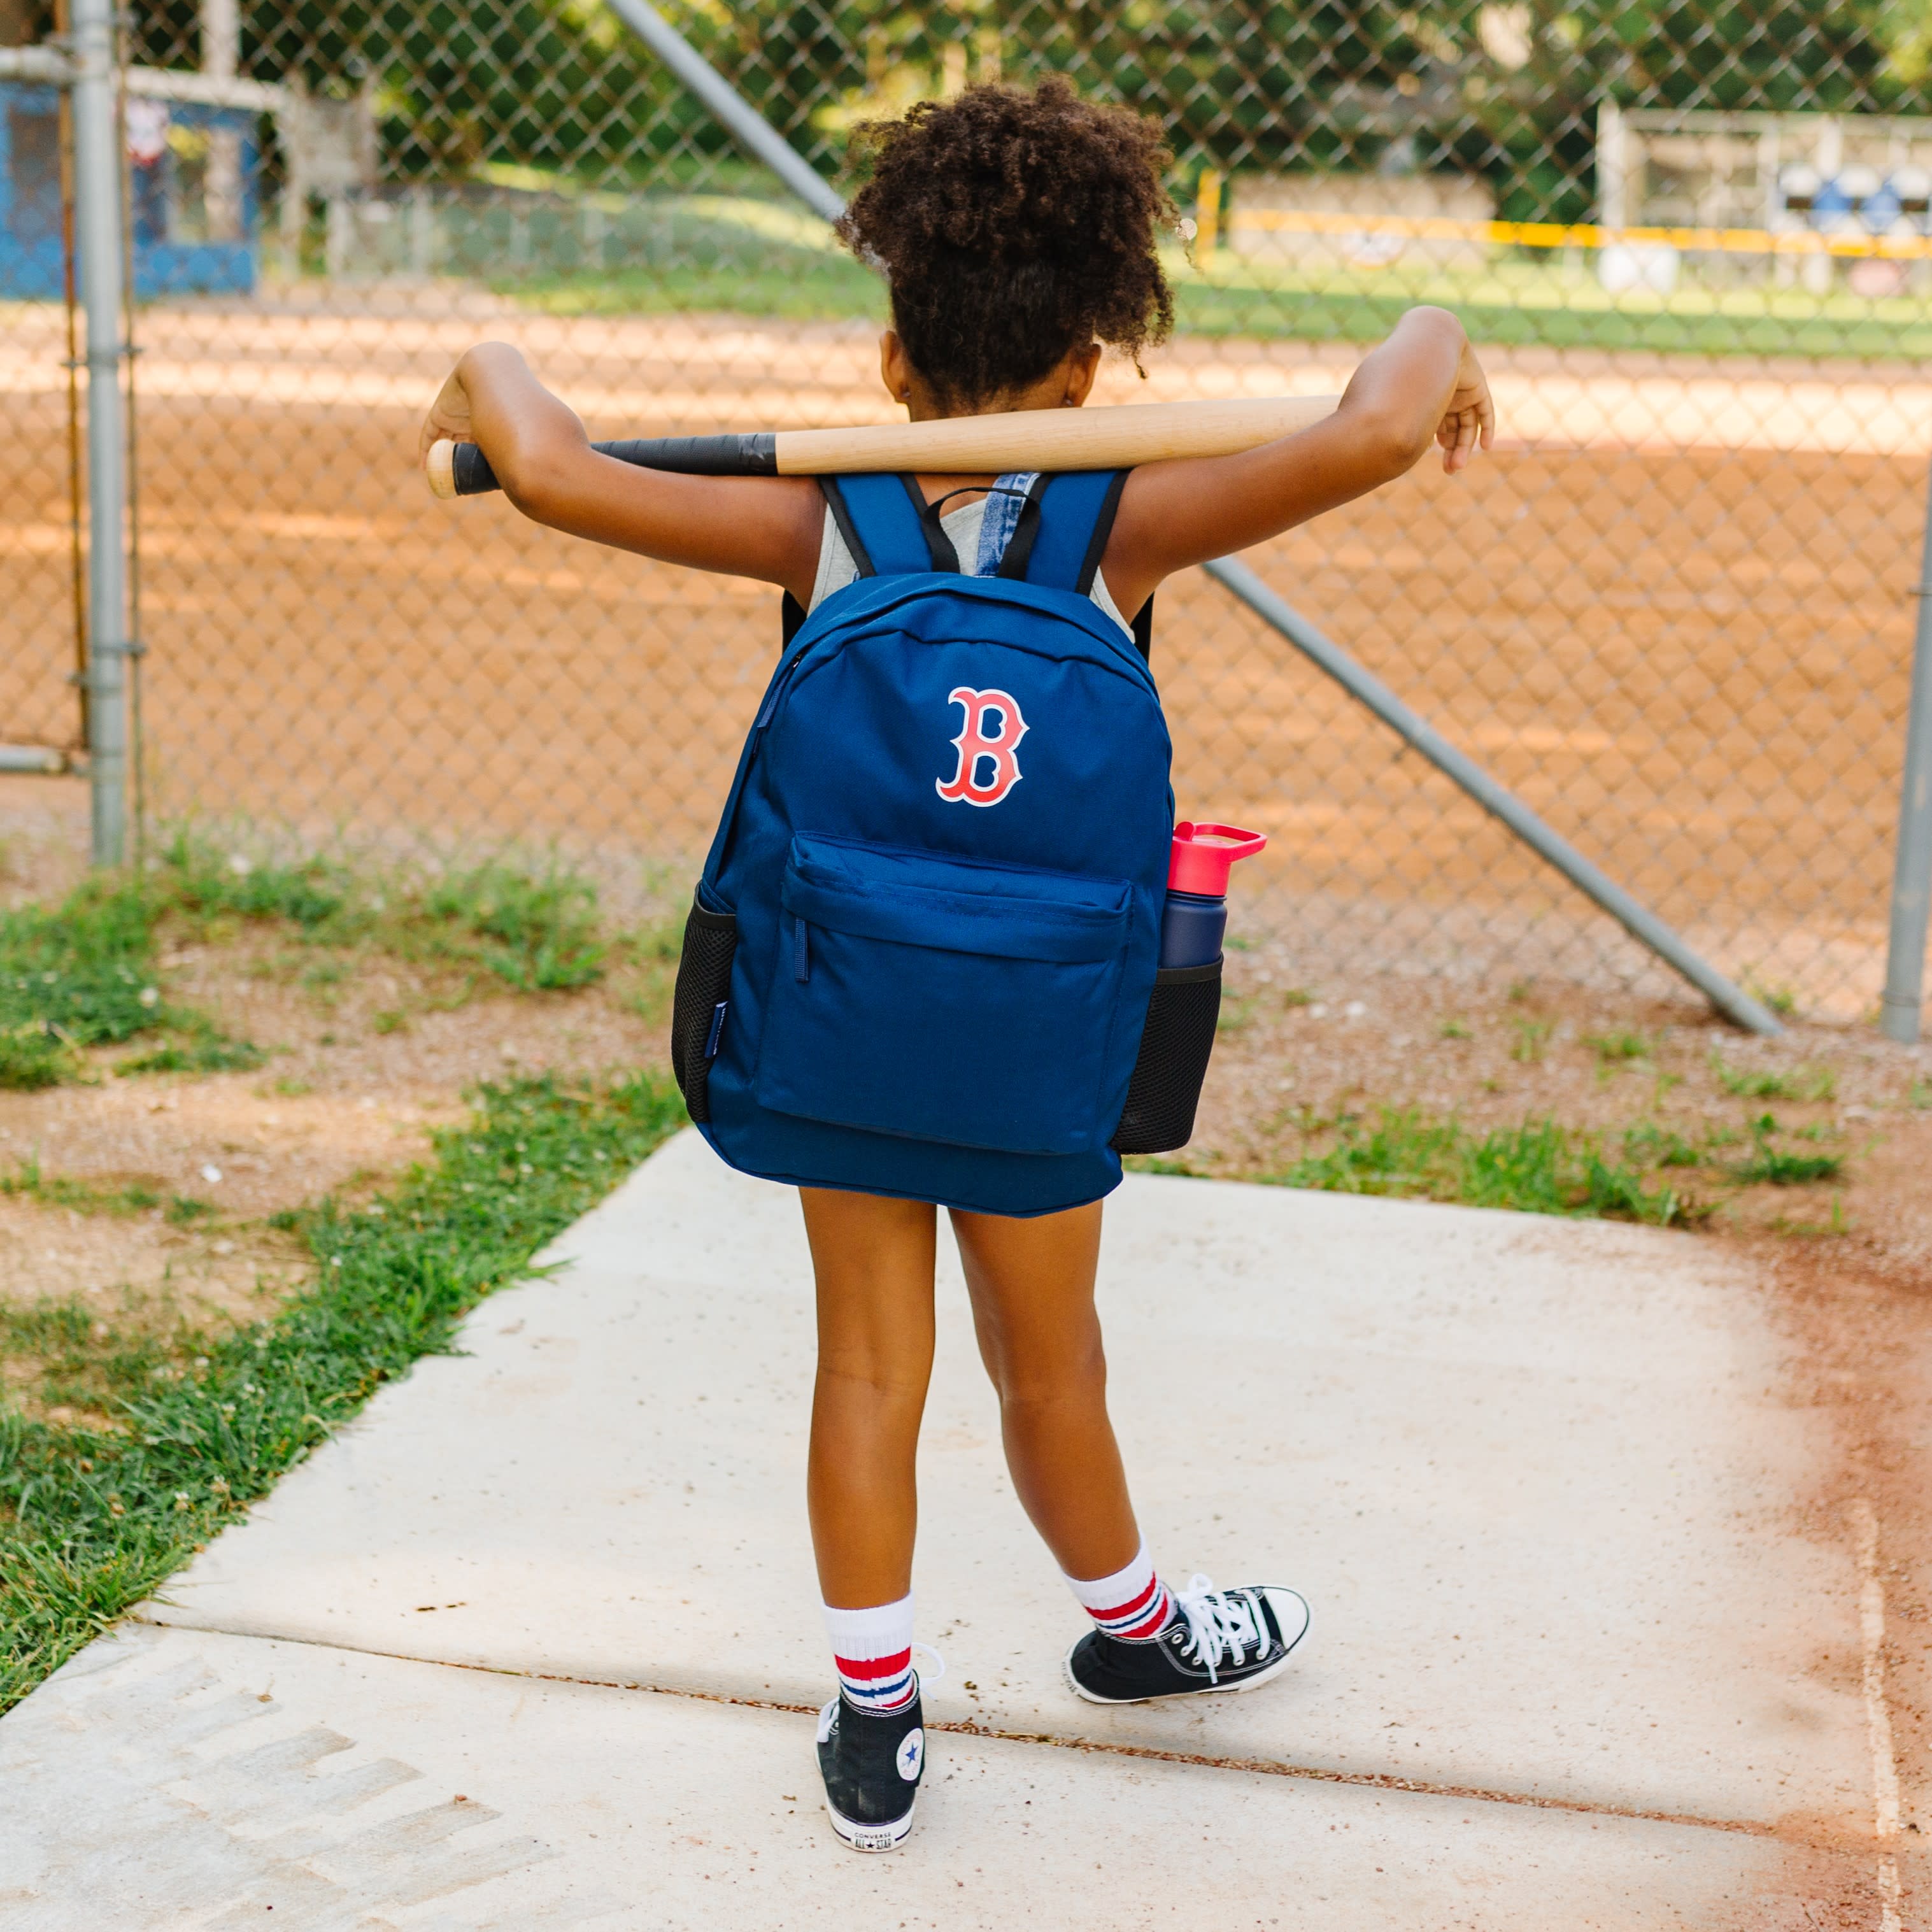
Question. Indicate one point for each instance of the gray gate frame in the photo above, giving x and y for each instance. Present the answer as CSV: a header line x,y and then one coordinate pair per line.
x,y
742,120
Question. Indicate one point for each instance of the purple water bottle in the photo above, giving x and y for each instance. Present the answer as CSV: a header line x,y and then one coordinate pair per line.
x,y
1196,919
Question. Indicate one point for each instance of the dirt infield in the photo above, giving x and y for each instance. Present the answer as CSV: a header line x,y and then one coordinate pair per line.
x,y
1689,650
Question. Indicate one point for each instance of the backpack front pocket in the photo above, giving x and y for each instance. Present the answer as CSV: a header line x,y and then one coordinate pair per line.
x,y
943,1000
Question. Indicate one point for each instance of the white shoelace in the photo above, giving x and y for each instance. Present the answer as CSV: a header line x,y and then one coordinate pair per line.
x,y
1221,1624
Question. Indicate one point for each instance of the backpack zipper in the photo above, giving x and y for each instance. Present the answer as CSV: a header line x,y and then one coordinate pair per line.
x,y
801,952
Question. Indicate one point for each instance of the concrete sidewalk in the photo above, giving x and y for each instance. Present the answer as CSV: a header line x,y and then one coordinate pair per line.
x,y
1581,1654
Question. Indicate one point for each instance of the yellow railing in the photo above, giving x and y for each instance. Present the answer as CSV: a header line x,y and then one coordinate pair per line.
x,y
1585,235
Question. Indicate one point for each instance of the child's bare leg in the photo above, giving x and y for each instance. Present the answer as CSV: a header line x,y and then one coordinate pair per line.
x,y
1032,1285
873,1258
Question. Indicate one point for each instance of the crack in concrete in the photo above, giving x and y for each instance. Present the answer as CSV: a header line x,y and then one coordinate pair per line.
x,y
1312,1774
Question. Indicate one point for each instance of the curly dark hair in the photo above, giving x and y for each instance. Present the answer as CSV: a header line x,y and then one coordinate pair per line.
x,y
1014,226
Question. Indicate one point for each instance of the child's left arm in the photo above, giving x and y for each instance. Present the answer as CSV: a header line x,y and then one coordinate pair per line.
x,y
1422,385
757,526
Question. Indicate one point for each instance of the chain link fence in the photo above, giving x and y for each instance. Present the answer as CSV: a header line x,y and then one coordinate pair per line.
x,y
1672,611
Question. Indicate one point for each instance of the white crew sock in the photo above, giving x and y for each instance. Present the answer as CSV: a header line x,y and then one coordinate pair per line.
x,y
1132,1604
873,1651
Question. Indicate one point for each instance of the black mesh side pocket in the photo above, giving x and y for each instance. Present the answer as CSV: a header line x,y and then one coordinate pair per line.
x,y
697,1011
1175,1043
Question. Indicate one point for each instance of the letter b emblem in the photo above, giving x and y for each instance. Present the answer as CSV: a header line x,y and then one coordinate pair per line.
x,y
989,747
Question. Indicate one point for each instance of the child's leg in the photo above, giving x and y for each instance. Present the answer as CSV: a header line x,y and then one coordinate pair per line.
x,y
1032,1285
873,1258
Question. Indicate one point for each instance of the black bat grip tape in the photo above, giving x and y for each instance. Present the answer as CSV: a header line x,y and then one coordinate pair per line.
x,y
752,454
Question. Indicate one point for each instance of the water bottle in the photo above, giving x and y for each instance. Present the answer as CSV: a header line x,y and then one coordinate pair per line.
x,y
1196,916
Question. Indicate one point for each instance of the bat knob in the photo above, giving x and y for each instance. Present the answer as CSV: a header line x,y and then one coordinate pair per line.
x,y
440,465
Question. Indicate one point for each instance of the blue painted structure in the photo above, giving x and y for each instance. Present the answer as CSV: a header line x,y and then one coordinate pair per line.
x,y
165,263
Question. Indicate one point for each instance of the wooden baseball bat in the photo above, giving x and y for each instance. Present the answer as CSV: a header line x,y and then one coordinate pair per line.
x,y
1116,438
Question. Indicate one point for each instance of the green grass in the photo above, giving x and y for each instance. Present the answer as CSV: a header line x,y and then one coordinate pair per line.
x,y
1532,1038
1539,1167
744,256
1800,1083
130,1197
93,1519
83,974
1654,1146
1614,1049
536,932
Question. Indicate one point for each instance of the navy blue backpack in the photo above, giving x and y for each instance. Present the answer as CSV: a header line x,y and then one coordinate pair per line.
x,y
921,957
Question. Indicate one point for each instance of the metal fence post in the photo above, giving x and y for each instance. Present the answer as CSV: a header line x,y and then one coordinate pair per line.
x,y
98,163
1912,874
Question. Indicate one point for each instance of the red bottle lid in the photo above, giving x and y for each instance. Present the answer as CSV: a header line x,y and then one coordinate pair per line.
x,y
1203,855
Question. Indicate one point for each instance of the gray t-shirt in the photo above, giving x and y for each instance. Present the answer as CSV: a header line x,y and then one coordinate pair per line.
x,y
836,567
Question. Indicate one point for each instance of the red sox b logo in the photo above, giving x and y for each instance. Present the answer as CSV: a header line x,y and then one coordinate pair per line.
x,y
989,767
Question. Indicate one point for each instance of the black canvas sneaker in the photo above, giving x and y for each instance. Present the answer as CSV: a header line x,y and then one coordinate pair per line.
x,y
1218,1640
872,1762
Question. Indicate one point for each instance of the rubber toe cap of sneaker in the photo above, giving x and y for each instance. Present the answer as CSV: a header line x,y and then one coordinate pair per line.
x,y
1289,1609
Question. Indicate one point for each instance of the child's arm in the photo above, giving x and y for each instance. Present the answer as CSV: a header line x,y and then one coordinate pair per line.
x,y
763,527
1423,385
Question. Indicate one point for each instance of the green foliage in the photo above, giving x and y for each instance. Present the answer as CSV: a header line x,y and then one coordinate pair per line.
x,y
93,1519
1799,1083
1539,1167
80,974
314,894
1532,1038
1767,1163
532,933
195,1045
1660,1146
129,1197
1613,1048
535,931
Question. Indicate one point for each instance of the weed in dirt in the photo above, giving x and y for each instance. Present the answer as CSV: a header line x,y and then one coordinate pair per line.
x,y
1781,1000
1453,1030
290,1087
1768,1163
391,1019
537,934
535,931
80,974
1920,1094
1235,1016
202,885
1615,1049
78,1360
194,1044
183,1209
1539,1167
93,1519
1800,1083
1532,1038
84,1197
1839,1222
1660,1146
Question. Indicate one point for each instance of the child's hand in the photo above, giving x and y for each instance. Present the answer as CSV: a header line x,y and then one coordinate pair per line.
x,y
448,416
1470,421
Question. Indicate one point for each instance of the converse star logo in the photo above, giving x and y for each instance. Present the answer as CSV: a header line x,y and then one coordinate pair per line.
x,y
911,1754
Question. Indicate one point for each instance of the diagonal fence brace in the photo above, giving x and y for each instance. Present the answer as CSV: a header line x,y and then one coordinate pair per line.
x,y
1550,846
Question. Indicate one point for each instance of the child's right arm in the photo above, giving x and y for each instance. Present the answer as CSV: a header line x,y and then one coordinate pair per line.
x,y
757,526
1422,385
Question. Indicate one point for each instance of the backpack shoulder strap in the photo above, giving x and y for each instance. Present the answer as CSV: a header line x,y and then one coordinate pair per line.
x,y
887,526
1060,542
1063,536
